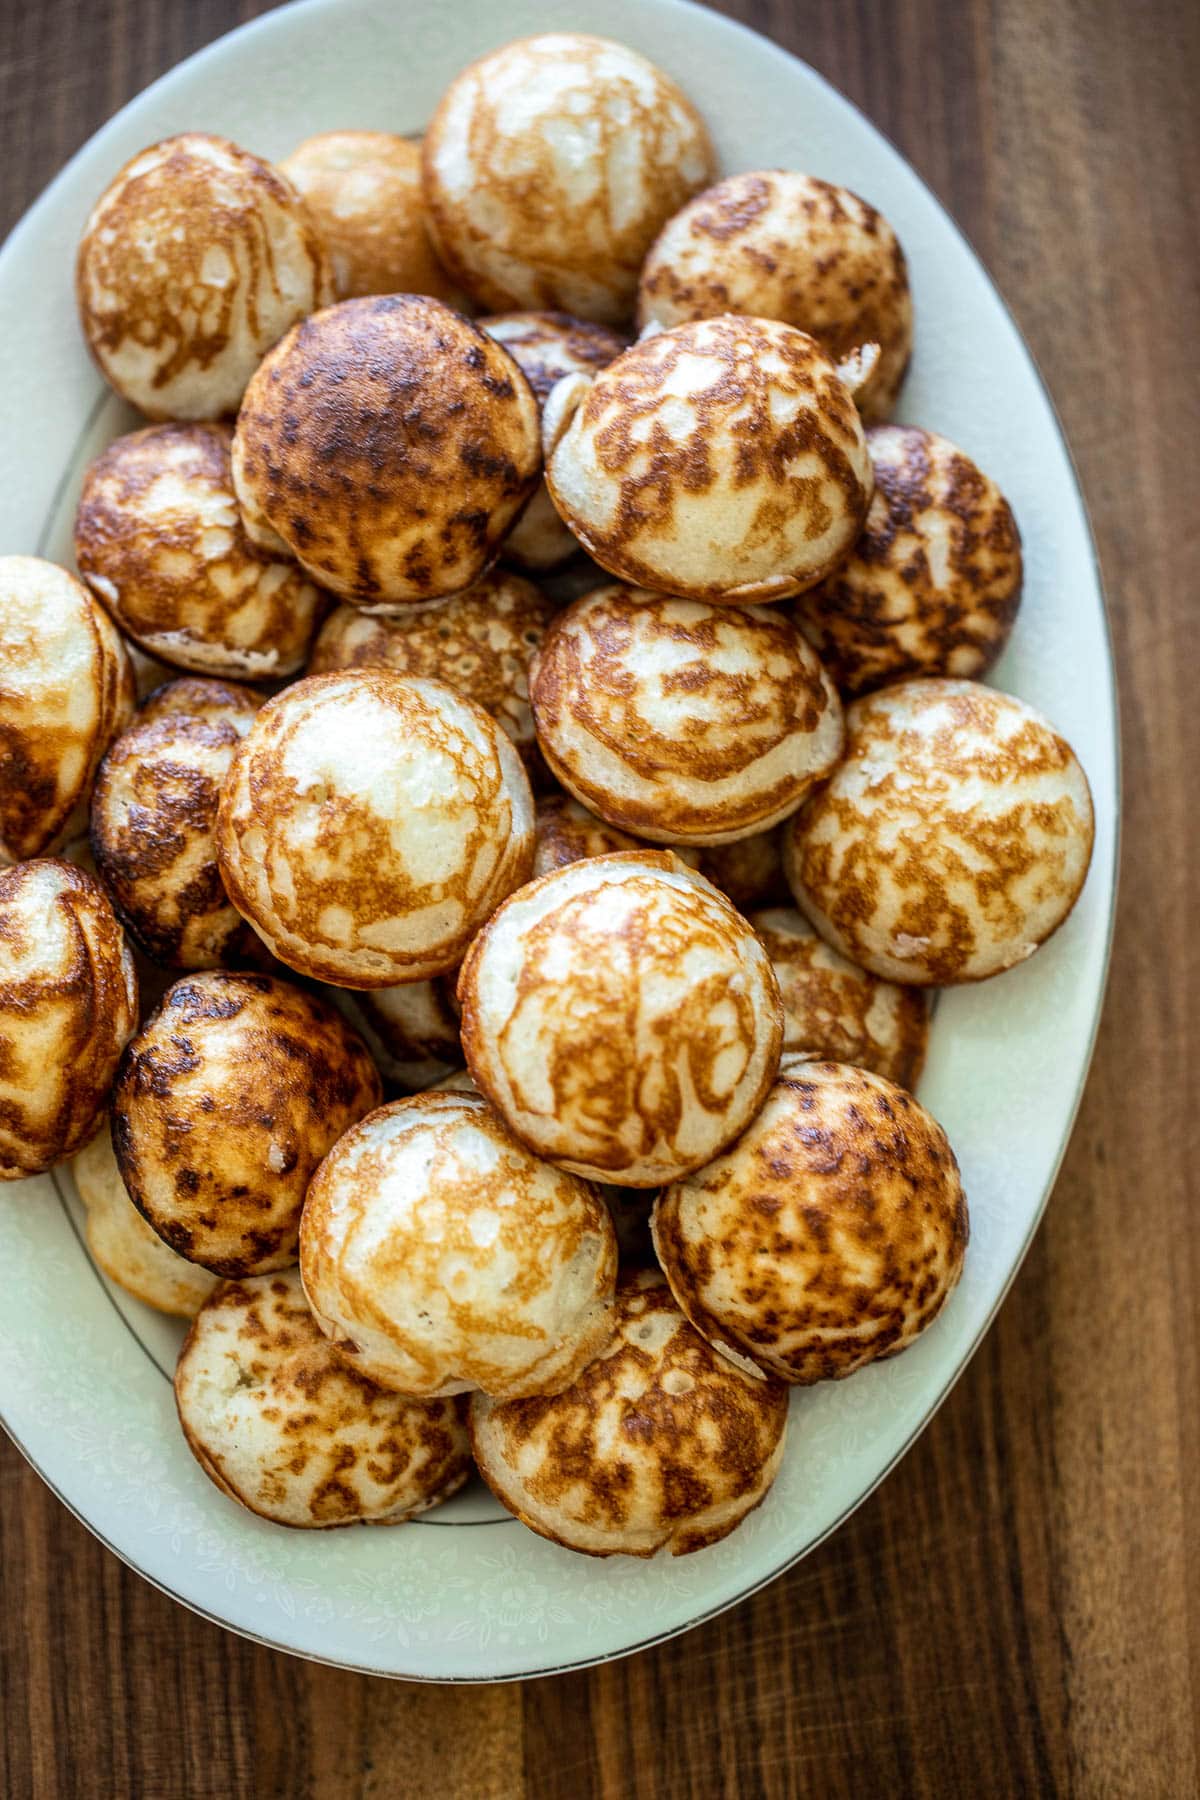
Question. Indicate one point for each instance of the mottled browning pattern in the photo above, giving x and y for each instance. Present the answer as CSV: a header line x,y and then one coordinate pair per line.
x,y
933,584
750,870
829,1239
200,697
566,832
279,1422
158,537
68,1006
225,1102
389,444
781,245
413,1030
124,1246
660,1443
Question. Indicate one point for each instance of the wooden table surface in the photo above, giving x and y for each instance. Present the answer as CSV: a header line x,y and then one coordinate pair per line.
x,y
1017,1610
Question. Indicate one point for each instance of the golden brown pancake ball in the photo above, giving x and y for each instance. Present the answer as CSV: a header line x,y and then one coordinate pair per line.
x,y
781,245
621,1017
660,1444
202,697
68,1006
546,346
549,168
684,722
124,1246
66,690
370,823
226,1101
953,839
933,584
829,1237
750,870
723,461
280,1422
565,832
363,189
387,444
159,538
439,1255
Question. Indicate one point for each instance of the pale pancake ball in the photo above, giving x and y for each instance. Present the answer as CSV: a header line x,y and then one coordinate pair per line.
x,y
68,1007
828,1238
363,189
750,870
621,1017
440,1255
196,258
370,823
723,461
953,840
781,245
125,1247
480,642
565,832
279,1422
388,445
680,721
660,1445
226,1101
413,1030
66,690
159,538
834,1011
546,346
549,168
933,584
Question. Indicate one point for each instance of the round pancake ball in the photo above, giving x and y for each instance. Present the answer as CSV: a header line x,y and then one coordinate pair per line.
x,y
660,1444
159,538
194,260
226,1101
621,1017
68,1006
750,870
829,1237
933,584
200,697
125,1247
279,1422
550,166
440,1256
363,189
481,642
723,461
836,1012
66,690
546,346
683,722
565,832
388,445
370,823
780,245
413,1029
954,838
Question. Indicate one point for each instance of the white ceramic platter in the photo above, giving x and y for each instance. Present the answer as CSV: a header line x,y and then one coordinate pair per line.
x,y
469,1594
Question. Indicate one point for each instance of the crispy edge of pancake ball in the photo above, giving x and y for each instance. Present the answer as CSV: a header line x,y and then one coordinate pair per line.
x,y
549,167
388,444
68,1007
622,1018
681,721
566,832
284,1425
124,1246
194,260
66,690
749,872
159,539
781,245
660,1444
933,585
723,460
370,823
439,1255
828,1238
225,1102
363,189
953,839
833,1011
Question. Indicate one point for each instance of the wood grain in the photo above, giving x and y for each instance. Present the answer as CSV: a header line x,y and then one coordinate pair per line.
x,y
1017,1611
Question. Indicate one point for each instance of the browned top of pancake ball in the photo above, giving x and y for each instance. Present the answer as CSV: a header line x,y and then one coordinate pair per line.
x,y
548,345
200,697
388,443
226,1101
